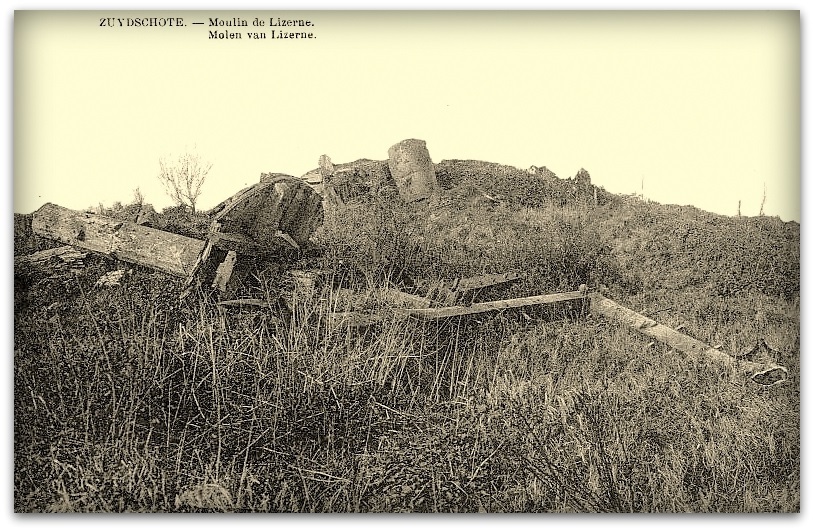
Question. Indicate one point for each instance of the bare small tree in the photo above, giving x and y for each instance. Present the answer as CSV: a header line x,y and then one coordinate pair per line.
x,y
183,178
138,197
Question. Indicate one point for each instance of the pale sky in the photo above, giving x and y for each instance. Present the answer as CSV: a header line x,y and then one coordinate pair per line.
x,y
700,107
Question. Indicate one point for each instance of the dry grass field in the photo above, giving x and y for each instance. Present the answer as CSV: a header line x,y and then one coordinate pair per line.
x,y
126,399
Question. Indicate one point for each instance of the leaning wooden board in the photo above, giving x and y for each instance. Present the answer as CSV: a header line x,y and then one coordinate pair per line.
x,y
282,204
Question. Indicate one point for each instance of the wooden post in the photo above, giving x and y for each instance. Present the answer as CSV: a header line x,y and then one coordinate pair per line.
x,y
223,274
762,374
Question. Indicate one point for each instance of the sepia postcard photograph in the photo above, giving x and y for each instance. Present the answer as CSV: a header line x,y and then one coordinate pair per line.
x,y
406,261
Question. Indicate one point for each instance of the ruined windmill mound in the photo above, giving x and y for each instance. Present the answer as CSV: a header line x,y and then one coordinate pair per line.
x,y
532,188
413,214
410,173
408,170
342,182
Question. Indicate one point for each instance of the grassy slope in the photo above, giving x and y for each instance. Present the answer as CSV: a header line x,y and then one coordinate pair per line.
x,y
126,400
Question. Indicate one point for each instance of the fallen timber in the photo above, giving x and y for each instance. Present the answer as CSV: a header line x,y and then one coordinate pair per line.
x,y
65,258
484,281
278,215
482,307
275,216
450,292
123,240
762,374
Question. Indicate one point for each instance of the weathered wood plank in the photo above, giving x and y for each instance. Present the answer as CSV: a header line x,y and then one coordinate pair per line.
x,y
123,240
485,281
398,297
57,258
192,276
282,203
223,274
452,291
481,307
760,373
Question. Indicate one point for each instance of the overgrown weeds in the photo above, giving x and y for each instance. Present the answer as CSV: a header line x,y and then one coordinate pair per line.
x,y
128,400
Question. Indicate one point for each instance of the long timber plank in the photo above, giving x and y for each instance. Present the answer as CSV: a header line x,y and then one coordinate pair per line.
x,y
482,307
123,240
760,373
485,281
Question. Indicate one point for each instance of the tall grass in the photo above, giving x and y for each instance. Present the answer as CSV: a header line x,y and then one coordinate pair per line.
x,y
127,400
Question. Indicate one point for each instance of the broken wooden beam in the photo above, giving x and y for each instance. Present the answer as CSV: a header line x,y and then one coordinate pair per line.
x,y
223,274
451,291
65,258
760,373
278,204
482,307
122,240
277,214
398,297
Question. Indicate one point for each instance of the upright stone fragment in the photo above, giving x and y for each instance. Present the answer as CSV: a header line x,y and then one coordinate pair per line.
x,y
412,168
326,167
